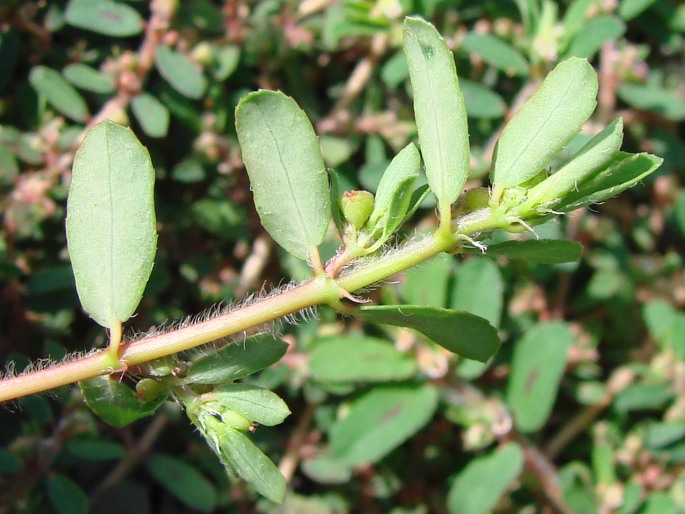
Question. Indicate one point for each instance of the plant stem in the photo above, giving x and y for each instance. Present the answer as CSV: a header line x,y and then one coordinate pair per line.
x,y
322,289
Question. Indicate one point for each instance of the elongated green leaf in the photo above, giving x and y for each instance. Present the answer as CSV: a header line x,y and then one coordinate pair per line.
x,y
58,92
105,17
545,124
480,485
115,402
629,9
89,79
594,34
286,169
624,171
111,222
652,96
358,359
152,114
183,75
252,465
394,192
66,496
460,332
380,421
439,110
595,155
256,404
547,251
183,481
537,367
496,53
237,360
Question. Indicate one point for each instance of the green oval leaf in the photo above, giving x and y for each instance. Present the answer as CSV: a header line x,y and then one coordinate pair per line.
x,y
237,360
594,34
537,367
497,53
594,155
66,496
545,123
546,251
58,92
478,488
358,359
287,173
439,110
256,404
380,421
183,75
183,481
89,79
460,332
152,114
481,101
252,465
115,402
479,289
105,17
111,222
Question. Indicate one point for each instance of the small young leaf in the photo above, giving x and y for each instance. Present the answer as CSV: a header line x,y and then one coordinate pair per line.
x,y
358,359
622,172
115,402
380,421
478,488
58,92
183,75
594,34
497,53
286,169
152,114
111,222
252,465
237,360
256,404
87,78
545,124
547,251
591,158
439,110
105,17
183,481
537,367
460,332
394,193
66,496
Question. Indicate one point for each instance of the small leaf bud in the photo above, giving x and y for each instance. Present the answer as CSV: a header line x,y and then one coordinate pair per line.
x,y
356,207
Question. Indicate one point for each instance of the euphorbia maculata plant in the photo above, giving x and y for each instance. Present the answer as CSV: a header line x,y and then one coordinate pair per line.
x,y
112,241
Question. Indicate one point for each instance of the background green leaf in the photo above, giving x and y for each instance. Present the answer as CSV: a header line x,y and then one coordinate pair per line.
x,y
111,222
439,110
152,114
66,496
183,75
358,359
536,370
478,488
497,53
58,92
548,251
460,332
380,421
87,78
479,289
184,481
286,169
105,17
594,34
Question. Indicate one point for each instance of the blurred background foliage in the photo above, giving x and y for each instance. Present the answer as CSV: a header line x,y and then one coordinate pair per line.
x,y
581,411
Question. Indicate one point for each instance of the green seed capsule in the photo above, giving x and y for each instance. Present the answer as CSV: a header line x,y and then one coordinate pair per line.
x,y
148,389
356,207
477,198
